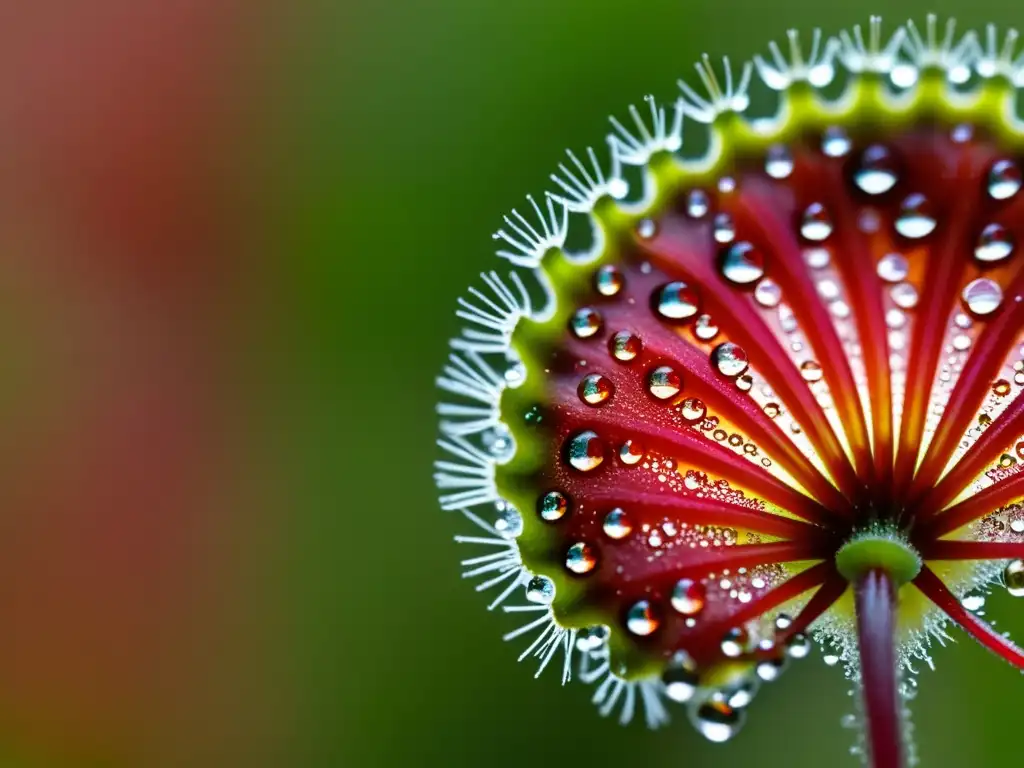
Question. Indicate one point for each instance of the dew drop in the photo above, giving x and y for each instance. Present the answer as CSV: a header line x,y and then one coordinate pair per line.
x,y
625,346
770,670
595,389
961,342
787,320
973,602
688,597
585,451
1004,180
742,263
734,643
697,204
729,359
738,692
641,619
608,280
1001,388
876,172
895,319
553,506
617,524
995,243
680,679
816,225
915,219
499,442
982,296
664,383
592,638
716,721
581,558
693,409
745,382
811,371
835,142
508,523
676,301
1014,578
540,590
585,322
817,258
705,329
779,162
515,374
631,453
772,410
798,646
829,289
724,229
893,268
646,228
768,293
904,295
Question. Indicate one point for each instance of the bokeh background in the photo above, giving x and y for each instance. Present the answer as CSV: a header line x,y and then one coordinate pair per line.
x,y
231,237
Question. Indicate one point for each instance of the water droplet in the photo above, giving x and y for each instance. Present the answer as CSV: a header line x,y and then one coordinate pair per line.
x,y
697,204
585,451
798,646
641,619
829,289
676,301
693,409
617,524
585,322
592,638
779,162
893,268
705,330
915,219
835,142
1004,180
772,410
839,309
540,590
811,371
768,293
817,258
724,229
553,506
581,558
595,389
646,228
982,296
508,522
745,382
680,679
904,295
727,184
742,263
716,721
787,320
973,602
729,359
1001,388
1014,578
631,453
961,342
783,622
995,243
625,346
688,597
499,442
664,383
609,280
830,659
876,173
734,643
738,692
515,374
816,224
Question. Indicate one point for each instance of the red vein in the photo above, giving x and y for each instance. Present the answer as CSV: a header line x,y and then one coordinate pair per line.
x,y
973,508
972,550
936,591
741,556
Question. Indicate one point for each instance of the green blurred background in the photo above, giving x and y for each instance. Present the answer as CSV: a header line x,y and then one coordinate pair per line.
x,y
307,611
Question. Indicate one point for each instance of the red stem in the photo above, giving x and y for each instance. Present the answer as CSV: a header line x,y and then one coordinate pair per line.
x,y
875,597
936,591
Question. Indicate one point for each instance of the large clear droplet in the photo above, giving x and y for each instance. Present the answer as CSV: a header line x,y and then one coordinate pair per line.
x,y
595,389
741,263
680,679
585,451
779,162
915,218
705,329
581,558
540,590
716,721
729,359
585,322
625,346
688,597
995,243
798,646
664,383
811,371
631,453
642,619
893,268
693,409
617,524
982,296
876,172
816,224
1013,575
1004,180
677,301
553,506
609,280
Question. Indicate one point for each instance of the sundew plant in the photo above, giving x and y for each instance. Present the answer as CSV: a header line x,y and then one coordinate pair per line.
x,y
754,379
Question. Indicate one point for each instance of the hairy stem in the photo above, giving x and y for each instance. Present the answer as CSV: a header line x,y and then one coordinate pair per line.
x,y
875,596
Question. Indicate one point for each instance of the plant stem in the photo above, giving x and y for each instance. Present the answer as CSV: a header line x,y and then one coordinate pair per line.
x,y
875,596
